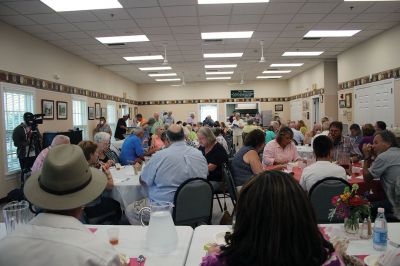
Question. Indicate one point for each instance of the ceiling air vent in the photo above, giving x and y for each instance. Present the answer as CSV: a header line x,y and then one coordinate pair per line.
x,y
311,39
212,70
116,45
213,41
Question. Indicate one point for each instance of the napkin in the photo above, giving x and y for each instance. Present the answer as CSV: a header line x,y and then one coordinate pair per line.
x,y
93,230
133,262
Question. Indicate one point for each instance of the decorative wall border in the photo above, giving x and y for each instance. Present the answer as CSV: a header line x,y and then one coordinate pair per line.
x,y
58,87
387,74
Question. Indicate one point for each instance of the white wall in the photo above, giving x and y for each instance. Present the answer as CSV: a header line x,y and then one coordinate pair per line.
x,y
304,81
377,54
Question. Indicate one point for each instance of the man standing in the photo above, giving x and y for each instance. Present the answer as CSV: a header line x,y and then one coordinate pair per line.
x,y
168,119
386,167
121,128
158,122
65,184
190,119
169,168
343,147
237,129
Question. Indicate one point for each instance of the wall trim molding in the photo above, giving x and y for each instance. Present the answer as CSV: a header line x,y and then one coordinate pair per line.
x,y
386,74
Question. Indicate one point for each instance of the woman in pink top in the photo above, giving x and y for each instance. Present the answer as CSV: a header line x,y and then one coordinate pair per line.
x,y
156,141
281,150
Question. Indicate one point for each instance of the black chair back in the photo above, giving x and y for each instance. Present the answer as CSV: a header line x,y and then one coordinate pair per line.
x,y
230,183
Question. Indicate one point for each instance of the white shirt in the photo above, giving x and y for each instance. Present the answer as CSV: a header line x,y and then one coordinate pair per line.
x,y
237,127
51,239
318,171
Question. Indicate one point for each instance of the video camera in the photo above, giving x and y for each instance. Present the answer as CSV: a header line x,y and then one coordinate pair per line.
x,y
33,120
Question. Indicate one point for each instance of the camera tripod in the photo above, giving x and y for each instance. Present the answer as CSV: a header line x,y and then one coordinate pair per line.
x,y
27,161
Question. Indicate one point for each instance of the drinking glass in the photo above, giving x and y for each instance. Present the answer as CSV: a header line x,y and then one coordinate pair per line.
x,y
161,237
113,235
15,214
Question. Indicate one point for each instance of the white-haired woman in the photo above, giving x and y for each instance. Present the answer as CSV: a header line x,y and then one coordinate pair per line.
x,y
102,139
156,141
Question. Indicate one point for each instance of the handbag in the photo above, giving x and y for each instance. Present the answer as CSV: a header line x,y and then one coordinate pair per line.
x,y
226,218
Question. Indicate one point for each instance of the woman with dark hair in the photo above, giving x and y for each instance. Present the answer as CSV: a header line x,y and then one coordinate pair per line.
x,y
246,162
368,132
284,231
281,150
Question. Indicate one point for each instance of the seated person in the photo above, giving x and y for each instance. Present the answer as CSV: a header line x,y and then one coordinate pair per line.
x,y
275,216
356,134
323,167
386,167
281,150
106,155
270,134
56,236
215,155
246,162
317,129
58,140
132,149
169,168
344,149
368,132
298,137
220,139
156,142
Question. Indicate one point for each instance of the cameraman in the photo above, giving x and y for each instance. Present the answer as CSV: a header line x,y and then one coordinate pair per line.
x,y
27,139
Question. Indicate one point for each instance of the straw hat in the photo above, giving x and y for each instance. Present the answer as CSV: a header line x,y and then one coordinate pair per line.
x,y
66,181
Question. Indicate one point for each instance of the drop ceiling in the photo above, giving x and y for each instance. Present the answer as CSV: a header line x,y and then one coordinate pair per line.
x,y
281,24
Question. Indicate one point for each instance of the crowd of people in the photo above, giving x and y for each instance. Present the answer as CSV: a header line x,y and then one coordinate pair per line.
x,y
285,227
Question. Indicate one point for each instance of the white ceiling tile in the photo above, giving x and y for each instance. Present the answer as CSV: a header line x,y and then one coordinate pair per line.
x,y
161,37
148,12
299,27
29,7
209,20
352,7
243,19
111,14
49,36
156,30
318,7
79,16
382,25
151,22
47,18
283,8
391,17
121,24
249,9
98,25
100,33
17,20
177,2
242,27
62,27
32,29
265,34
138,3
345,17
371,17
86,41
187,36
271,27
384,7
185,29
4,10
74,34
271,18
130,31
179,11
214,28
328,26
303,18
182,21
214,10
356,26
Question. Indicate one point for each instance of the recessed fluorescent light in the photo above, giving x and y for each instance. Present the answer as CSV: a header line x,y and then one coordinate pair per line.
x,y
330,33
221,66
287,65
220,73
212,78
222,55
226,35
276,71
75,5
205,2
143,58
163,75
155,68
175,79
302,53
123,39
269,77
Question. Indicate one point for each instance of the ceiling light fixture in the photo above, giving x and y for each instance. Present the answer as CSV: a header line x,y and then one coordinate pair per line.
x,y
217,78
155,68
222,55
269,77
330,33
165,62
174,79
206,2
262,59
276,71
143,58
226,35
163,75
123,39
314,53
287,65
76,5
221,66
220,73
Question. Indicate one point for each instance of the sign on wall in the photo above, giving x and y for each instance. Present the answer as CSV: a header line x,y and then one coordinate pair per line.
x,y
242,93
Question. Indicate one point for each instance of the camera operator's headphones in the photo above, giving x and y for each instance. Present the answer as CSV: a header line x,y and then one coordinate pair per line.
x,y
28,118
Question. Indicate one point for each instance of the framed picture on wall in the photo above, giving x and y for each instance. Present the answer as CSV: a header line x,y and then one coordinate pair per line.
x,y
91,114
348,97
104,112
48,109
278,107
97,110
342,103
62,111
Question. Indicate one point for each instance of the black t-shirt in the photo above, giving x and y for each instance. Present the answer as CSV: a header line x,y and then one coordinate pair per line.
x,y
216,156
120,131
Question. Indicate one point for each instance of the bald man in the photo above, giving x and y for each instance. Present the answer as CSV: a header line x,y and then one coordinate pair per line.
x,y
169,168
58,140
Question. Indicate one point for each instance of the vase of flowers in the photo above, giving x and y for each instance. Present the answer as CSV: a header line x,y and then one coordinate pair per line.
x,y
351,207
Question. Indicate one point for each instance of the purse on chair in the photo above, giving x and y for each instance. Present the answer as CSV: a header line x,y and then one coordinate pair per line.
x,y
226,218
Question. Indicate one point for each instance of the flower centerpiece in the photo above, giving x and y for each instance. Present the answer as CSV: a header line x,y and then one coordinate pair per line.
x,y
351,207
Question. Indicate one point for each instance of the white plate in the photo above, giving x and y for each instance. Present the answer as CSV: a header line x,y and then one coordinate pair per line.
x,y
371,260
220,238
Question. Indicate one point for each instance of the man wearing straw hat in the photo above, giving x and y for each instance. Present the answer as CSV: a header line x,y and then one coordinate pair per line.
x,y
56,237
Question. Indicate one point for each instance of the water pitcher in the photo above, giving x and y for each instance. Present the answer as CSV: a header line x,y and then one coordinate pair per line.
x,y
16,213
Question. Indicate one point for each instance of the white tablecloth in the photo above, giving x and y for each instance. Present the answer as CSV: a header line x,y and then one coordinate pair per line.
x,y
127,188
206,234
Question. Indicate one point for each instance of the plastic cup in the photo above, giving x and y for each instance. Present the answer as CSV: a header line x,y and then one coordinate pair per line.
x,y
113,235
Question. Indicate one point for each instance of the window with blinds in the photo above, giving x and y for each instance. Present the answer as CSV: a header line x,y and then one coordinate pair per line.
x,y
15,104
80,117
208,109
111,116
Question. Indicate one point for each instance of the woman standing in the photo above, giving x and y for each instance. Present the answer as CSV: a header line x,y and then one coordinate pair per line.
x,y
102,126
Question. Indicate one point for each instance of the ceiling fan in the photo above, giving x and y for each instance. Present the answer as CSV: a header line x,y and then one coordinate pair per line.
x,y
242,81
182,84
165,62
262,59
